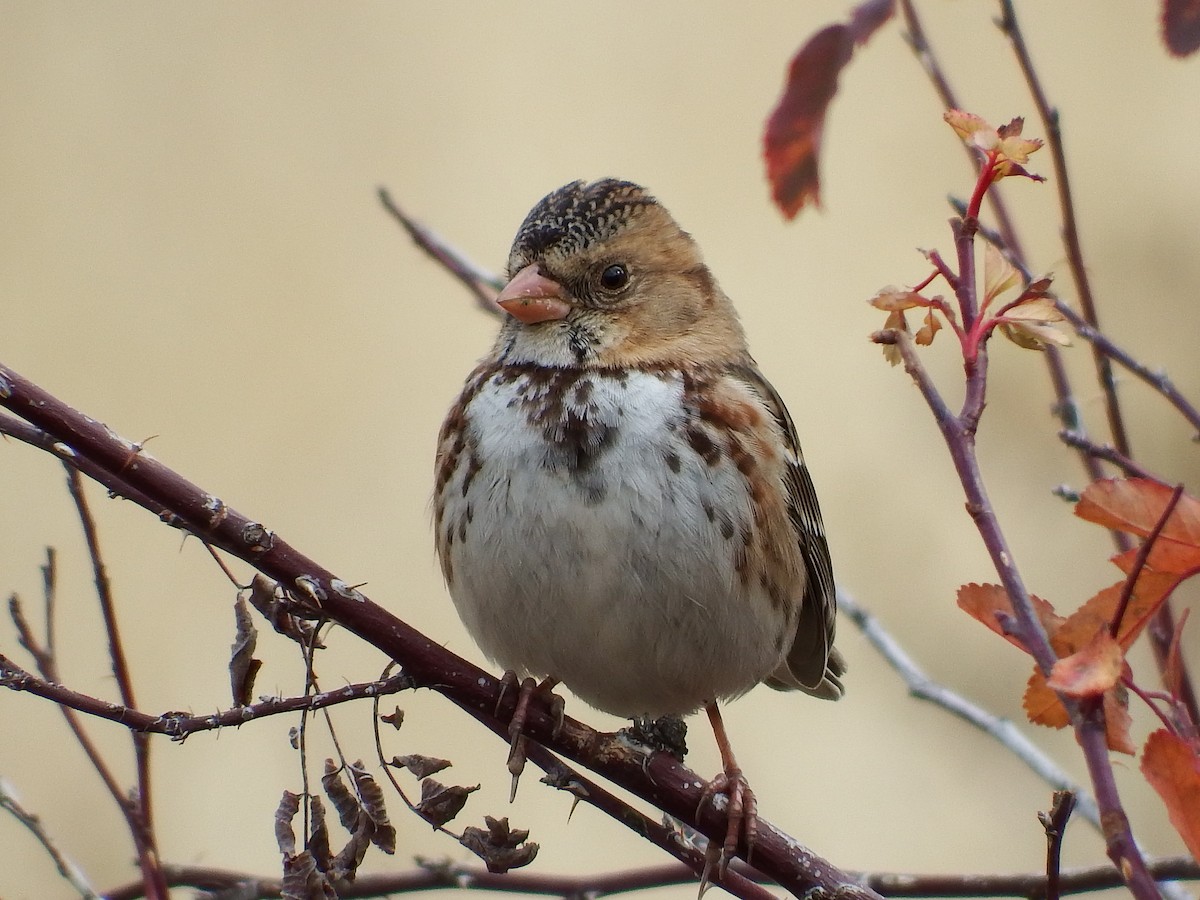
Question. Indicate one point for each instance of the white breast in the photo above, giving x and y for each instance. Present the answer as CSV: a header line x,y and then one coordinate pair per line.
x,y
588,541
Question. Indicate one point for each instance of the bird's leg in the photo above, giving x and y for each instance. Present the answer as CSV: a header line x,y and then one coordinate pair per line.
x,y
527,688
741,807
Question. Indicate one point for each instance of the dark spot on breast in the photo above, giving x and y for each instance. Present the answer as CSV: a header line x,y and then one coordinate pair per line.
x,y
703,444
708,511
727,529
673,462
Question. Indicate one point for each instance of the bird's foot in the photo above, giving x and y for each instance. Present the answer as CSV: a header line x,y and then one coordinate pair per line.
x,y
526,689
741,809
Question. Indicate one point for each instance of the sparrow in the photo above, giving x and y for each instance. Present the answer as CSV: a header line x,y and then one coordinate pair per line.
x,y
620,504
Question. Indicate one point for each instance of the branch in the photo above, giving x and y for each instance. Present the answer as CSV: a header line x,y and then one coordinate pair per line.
x,y
33,824
1108,453
1157,380
1005,732
656,778
481,283
179,726
1049,116
432,876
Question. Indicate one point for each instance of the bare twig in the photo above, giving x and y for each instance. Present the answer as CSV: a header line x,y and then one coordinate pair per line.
x,y
1157,380
1055,824
1004,731
144,836
481,283
1049,116
179,726
432,875
1108,453
33,824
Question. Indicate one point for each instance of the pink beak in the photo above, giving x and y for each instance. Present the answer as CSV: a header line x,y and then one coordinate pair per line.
x,y
531,297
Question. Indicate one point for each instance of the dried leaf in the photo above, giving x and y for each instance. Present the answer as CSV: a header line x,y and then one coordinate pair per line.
x,y
243,667
440,803
289,805
421,766
302,880
1118,722
1172,767
384,835
500,847
345,864
1181,27
891,352
1032,336
925,333
998,274
891,298
318,842
1036,310
395,719
987,602
348,808
969,127
273,606
1091,670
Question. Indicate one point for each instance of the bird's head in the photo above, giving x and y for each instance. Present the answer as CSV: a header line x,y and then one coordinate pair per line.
x,y
601,275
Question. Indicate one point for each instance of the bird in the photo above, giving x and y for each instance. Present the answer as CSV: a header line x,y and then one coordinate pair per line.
x,y
621,505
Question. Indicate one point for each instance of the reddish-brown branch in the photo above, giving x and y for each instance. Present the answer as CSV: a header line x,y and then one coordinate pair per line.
x,y
1070,230
1086,717
144,835
1139,561
658,779
890,884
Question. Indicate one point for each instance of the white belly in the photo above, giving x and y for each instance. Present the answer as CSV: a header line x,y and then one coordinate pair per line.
x,y
607,556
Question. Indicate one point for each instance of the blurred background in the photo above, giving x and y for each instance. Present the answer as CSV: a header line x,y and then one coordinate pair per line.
x,y
193,250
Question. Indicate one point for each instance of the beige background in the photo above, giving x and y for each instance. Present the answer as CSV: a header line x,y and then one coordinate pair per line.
x,y
192,249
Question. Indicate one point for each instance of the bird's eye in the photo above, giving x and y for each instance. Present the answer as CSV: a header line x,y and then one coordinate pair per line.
x,y
614,277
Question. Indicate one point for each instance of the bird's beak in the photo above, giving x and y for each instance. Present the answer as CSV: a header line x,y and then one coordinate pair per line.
x,y
530,297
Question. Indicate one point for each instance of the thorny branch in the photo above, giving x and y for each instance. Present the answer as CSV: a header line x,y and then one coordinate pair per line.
x,y
656,778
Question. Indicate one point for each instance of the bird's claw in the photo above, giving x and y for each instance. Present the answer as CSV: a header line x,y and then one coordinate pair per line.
x,y
526,689
741,810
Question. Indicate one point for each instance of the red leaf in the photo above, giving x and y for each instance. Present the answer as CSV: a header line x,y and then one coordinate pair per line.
x,y
1181,26
792,140
1135,505
1171,766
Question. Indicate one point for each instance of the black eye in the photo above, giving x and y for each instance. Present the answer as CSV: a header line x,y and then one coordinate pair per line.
x,y
614,277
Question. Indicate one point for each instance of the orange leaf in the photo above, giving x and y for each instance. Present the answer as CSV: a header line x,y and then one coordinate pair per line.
x,y
984,601
1118,721
1171,766
1043,707
792,140
1091,670
1135,505
891,299
1152,589
925,333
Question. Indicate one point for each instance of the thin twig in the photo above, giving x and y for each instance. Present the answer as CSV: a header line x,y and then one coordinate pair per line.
x,y
1139,561
144,837
1070,230
179,726
1157,380
1108,453
1004,731
1055,824
432,876
481,283
33,824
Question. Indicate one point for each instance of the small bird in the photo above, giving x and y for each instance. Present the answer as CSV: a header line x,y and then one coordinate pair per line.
x,y
621,504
